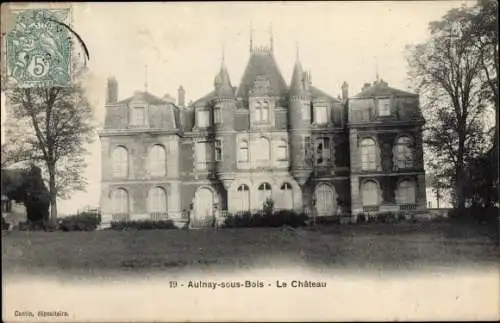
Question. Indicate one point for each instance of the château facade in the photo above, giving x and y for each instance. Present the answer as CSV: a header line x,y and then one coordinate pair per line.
x,y
237,146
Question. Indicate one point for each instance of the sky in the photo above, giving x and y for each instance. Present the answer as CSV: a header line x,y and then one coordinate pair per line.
x,y
170,44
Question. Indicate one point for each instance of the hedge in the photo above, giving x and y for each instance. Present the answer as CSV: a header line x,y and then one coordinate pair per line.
x,y
269,219
85,221
142,225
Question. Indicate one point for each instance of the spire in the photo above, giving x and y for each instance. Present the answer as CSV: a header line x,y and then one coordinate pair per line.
x,y
377,78
271,40
297,83
222,81
251,38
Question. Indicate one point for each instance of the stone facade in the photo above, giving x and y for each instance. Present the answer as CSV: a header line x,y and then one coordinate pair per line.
x,y
237,146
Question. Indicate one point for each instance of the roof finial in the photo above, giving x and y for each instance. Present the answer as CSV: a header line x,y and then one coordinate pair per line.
x,y
271,40
376,69
251,37
223,56
145,78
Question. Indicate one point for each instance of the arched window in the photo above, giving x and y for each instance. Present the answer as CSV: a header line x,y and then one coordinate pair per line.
x,y
368,154
370,193
285,200
405,193
325,200
282,150
243,151
261,111
157,203
242,198
403,153
264,193
157,161
119,159
120,204
263,151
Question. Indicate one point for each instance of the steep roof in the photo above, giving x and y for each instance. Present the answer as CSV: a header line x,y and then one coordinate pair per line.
x,y
145,97
381,88
317,93
262,64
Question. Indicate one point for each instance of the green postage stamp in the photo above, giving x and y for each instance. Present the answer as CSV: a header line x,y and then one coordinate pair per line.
x,y
38,48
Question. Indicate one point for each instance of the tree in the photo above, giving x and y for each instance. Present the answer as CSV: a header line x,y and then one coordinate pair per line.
x,y
60,121
448,72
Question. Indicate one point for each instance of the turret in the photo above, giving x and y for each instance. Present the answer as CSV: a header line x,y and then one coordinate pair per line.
x,y
299,115
181,96
224,108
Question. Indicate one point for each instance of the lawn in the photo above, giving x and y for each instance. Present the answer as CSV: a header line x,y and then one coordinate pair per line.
x,y
375,246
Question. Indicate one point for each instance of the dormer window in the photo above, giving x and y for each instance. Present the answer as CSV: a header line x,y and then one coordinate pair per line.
x,y
261,111
203,118
138,116
321,114
384,107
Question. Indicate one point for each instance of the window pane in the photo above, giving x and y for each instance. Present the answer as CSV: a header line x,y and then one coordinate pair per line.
x,y
243,151
217,116
370,193
201,154
281,152
157,161
265,113
203,118
321,115
384,107
138,116
257,114
120,162
368,154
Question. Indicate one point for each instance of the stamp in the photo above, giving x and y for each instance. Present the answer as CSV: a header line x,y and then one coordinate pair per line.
x,y
38,48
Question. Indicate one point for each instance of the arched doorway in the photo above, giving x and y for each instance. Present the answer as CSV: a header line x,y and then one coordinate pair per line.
x,y
203,211
325,200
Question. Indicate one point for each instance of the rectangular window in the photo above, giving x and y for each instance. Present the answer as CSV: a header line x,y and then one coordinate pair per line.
x,y
257,115
265,113
203,118
323,151
138,116
321,115
243,152
306,112
201,155
281,151
217,116
384,107
307,150
218,150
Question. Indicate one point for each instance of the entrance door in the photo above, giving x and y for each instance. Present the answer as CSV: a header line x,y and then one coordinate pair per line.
x,y
203,208
325,203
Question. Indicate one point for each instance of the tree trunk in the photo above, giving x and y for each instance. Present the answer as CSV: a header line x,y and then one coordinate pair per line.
x,y
53,195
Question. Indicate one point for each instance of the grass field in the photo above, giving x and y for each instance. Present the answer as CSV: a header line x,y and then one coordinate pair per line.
x,y
375,246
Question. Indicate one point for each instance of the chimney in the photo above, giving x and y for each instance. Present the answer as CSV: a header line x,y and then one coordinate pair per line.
x,y
112,91
345,91
367,85
181,96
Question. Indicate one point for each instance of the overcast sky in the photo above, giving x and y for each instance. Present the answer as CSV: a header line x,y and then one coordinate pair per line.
x,y
181,43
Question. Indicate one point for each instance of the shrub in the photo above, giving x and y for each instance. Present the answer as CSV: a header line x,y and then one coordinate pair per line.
x,y
5,224
361,218
268,206
262,219
85,221
142,225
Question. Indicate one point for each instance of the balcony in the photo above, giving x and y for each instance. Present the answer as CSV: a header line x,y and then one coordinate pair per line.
x,y
158,216
406,207
118,217
371,208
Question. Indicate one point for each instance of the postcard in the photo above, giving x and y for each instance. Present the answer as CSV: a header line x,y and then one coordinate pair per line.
x,y
250,161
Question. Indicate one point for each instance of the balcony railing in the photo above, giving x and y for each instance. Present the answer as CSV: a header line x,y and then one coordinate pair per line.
x,y
404,207
371,208
120,217
158,216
